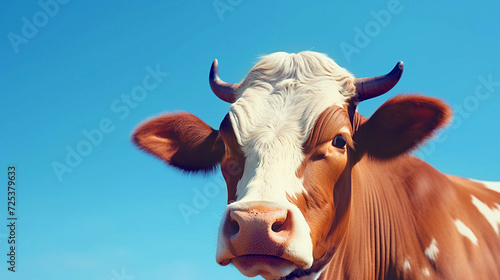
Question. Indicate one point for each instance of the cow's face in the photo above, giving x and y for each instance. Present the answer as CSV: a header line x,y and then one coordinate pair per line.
x,y
280,189
286,145
284,150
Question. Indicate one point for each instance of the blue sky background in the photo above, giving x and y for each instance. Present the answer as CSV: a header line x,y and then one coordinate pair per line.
x,y
116,214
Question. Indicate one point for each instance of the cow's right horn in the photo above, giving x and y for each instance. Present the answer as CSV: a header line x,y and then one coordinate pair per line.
x,y
371,87
223,90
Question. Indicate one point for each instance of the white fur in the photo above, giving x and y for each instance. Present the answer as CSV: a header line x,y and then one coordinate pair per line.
x,y
407,265
491,215
432,251
466,231
426,272
277,105
494,186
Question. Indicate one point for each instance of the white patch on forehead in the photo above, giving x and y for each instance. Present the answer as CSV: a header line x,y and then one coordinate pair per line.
x,y
491,215
466,231
494,186
432,251
278,105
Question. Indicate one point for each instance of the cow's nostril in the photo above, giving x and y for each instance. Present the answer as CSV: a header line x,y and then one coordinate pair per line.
x,y
280,223
276,226
233,227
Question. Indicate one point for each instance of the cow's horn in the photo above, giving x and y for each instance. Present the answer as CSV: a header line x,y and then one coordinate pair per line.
x,y
223,90
371,87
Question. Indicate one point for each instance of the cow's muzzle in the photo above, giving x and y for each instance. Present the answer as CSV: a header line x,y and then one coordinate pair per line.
x,y
263,238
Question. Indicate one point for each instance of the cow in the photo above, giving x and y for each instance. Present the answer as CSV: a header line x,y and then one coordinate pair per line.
x,y
317,191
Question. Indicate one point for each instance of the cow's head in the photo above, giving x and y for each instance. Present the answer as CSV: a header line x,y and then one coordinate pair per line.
x,y
285,149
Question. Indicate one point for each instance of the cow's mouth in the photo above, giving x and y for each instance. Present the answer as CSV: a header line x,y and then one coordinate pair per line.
x,y
268,266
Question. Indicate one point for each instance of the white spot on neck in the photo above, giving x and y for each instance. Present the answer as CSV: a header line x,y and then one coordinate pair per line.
x,y
466,231
494,186
407,265
491,215
432,251
426,272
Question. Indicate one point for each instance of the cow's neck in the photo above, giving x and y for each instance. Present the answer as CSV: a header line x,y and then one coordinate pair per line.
x,y
380,229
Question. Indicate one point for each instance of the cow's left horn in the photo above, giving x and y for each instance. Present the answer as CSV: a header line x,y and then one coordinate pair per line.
x,y
223,90
371,87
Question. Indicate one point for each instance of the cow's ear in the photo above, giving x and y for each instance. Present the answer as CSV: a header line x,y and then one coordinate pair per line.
x,y
400,125
182,140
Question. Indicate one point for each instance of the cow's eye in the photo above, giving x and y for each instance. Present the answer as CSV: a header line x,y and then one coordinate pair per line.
x,y
339,141
220,146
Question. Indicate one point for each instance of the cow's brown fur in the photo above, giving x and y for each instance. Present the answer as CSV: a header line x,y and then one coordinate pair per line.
x,y
373,210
